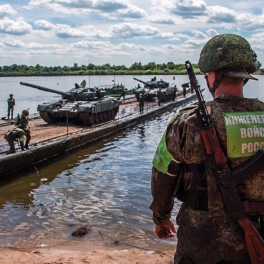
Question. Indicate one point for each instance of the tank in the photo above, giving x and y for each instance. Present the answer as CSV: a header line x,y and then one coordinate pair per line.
x,y
151,89
80,105
114,90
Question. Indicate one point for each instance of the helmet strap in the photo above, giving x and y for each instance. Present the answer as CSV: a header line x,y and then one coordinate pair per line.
x,y
217,80
245,81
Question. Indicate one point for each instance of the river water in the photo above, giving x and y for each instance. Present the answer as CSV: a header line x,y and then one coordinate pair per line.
x,y
104,186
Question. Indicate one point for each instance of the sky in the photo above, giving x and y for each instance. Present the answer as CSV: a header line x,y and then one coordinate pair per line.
x,y
121,32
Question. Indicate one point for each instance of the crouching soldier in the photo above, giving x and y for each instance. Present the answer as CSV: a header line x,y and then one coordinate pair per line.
x,y
23,123
13,136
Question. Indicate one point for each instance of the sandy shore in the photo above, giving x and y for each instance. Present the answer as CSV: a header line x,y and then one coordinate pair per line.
x,y
83,253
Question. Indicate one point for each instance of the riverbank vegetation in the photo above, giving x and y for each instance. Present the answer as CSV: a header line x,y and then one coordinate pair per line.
x,y
106,69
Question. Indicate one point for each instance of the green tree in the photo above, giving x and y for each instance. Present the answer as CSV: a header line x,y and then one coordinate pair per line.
x,y
170,65
150,66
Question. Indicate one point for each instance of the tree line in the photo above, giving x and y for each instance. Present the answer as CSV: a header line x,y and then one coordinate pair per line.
x,y
136,68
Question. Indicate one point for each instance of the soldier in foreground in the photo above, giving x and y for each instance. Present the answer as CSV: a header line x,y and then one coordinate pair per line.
x,y
207,233
23,123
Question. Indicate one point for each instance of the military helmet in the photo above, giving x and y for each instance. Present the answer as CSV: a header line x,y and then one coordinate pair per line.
x,y
228,51
25,112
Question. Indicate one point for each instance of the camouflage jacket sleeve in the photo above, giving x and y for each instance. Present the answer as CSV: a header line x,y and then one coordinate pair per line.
x,y
184,142
163,186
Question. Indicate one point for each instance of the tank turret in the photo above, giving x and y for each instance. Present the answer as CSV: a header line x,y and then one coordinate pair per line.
x,y
77,93
151,89
80,104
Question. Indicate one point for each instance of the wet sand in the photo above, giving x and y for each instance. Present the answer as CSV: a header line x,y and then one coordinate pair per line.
x,y
84,253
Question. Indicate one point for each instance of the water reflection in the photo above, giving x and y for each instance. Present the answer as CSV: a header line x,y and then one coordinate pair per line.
x,y
105,185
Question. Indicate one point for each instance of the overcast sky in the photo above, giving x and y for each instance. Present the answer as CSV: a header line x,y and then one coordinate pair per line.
x,y
121,32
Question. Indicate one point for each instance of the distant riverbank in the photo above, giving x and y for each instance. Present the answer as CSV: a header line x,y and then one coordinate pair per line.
x,y
100,73
97,73
135,69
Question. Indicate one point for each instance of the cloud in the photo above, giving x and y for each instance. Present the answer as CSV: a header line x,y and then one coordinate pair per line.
x,y
65,31
97,45
132,12
219,14
130,47
189,8
250,23
44,25
129,30
34,45
199,34
13,43
11,27
167,36
198,39
6,10
106,6
122,30
212,32
158,19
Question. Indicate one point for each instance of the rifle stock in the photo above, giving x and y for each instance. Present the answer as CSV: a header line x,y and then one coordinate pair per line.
x,y
255,244
212,145
218,162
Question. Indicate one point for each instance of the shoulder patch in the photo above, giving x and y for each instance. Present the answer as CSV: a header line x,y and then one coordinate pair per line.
x,y
245,133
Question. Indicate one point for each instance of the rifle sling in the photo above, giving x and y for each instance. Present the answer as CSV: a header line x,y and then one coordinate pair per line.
x,y
249,168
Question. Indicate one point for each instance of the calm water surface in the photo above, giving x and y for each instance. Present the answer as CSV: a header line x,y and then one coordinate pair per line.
x,y
105,185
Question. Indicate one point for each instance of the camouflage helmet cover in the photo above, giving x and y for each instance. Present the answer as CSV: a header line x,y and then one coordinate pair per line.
x,y
25,112
227,51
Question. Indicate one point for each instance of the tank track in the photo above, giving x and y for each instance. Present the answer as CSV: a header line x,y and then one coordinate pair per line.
x,y
89,119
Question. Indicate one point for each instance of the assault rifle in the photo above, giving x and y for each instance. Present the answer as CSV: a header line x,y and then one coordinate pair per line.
x,y
218,162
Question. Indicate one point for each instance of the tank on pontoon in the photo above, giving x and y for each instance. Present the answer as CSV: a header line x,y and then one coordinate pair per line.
x,y
80,104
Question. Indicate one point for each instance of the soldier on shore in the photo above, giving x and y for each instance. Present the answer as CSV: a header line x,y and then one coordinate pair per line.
x,y
122,92
23,123
159,95
12,136
10,106
174,93
141,101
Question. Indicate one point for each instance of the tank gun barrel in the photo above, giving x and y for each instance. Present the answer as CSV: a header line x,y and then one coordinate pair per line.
x,y
147,84
45,89
139,80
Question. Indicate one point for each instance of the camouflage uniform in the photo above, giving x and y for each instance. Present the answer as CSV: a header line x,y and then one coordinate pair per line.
x,y
10,106
22,121
206,234
141,102
12,136
159,95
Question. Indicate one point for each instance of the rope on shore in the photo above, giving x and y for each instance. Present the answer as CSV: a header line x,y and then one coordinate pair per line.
x,y
36,169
